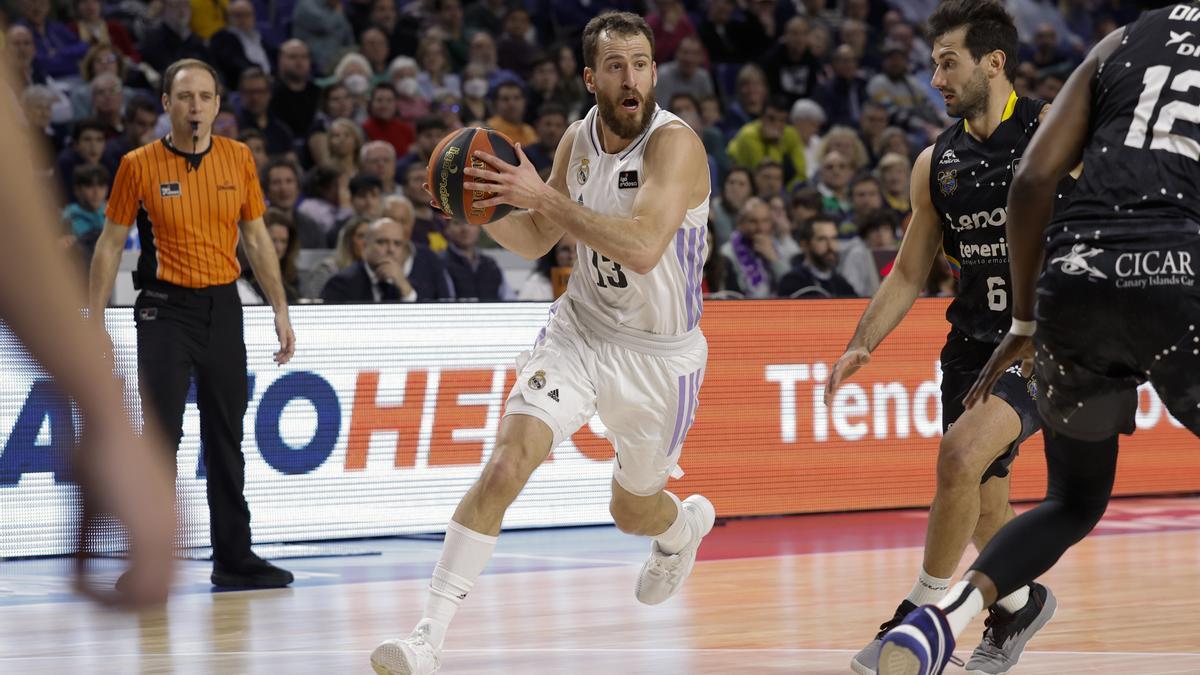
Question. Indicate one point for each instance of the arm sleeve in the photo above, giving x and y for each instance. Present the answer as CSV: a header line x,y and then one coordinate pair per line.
x,y
124,198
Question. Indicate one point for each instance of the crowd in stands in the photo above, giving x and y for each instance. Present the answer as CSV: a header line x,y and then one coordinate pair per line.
x,y
811,112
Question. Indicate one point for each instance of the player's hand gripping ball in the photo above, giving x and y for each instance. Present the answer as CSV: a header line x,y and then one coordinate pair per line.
x,y
446,178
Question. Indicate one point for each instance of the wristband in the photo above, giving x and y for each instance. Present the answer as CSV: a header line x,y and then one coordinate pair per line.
x,y
1023,328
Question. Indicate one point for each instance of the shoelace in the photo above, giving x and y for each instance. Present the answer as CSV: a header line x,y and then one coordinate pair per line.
x,y
890,624
994,631
667,565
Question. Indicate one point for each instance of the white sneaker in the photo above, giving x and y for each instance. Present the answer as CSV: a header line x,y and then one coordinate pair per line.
x,y
663,574
414,655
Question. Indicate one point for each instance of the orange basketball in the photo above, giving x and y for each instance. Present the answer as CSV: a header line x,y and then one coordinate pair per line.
x,y
453,154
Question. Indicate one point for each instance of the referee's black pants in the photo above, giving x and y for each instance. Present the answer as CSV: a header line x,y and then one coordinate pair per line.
x,y
181,332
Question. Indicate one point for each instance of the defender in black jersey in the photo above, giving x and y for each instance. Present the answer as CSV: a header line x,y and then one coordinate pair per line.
x,y
959,194
1117,303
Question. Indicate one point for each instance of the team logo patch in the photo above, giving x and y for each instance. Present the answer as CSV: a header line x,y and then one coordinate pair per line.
x,y
226,186
582,174
948,181
538,380
148,313
1032,387
949,157
1076,262
168,189
627,179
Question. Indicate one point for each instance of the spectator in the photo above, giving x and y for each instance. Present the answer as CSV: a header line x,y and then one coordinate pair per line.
x,y
770,137
373,45
21,53
846,141
87,148
806,202
141,113
894,172
345,144
402,32
474,104
517,44
208,17
378,158
382,123
815,275
100,59
871,125
427,222
509,101
295,97
768,177
487,16
782,228
792,70
93,29
411,103
688,109
287,248
543,86
366,200
322,25
551,125
36,102
557,262
254,92
483,55
475,275
670,26
807,118
727,38
842,96
281,184
226,124
686,74
436,77
393,269
833,182
57,49
737,187
752,95
85,214
336,103
1047,54
352,238
820,42
879,231
401,209
755,262
902,95
570,82
717,270
254,139
448,22
321,202
173,39
711,113
856,35
108,100
866,196
239,46
894,140
1048,86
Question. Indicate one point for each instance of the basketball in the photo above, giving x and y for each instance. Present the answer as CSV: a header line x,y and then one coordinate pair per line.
x,y
456,152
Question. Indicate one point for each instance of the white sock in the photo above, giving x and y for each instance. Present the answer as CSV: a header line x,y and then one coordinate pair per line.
x,y
679,534
928,589
962,604
1015,601
464,555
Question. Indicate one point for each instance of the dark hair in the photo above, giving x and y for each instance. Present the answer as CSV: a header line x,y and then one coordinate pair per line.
x,y
89,174
320,180
683,94
551,108
138,104
866,177
778,103
431,122
264,177
767,163
614,23
989,27
168,79
505,84
804,233
381,87
287,264
247,135
878,218
362,183
749,178
88,124
808,197
253,73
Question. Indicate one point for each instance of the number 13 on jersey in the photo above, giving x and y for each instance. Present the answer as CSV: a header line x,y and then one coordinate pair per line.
x,y
608,272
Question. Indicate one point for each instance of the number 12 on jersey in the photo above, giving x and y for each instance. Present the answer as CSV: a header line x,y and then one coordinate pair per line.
x,y
1154,80
608,270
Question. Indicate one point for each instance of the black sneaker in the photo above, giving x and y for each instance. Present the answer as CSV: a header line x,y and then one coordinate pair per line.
x,y
866,662
1005,635
254,572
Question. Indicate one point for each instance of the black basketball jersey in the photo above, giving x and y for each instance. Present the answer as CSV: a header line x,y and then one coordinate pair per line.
x,y
1142,160
968,184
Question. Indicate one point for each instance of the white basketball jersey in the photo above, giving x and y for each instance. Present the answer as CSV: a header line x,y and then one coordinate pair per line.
x,y
667,302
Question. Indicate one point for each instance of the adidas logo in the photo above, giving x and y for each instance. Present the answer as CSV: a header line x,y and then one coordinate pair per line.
x,y
553,395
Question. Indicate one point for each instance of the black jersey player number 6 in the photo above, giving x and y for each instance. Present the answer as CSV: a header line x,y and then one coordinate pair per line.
x,y
1154,80
609,270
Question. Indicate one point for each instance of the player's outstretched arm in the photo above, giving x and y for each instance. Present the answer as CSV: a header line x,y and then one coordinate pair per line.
x,y
901,287
676,179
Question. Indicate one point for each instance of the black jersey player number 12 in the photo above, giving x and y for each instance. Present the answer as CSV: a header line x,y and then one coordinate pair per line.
x,y
1154,80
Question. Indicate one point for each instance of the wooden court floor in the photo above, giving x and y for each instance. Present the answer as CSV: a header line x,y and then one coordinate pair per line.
x,y
562,602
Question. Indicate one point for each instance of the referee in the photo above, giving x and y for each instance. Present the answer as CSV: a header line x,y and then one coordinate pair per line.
x,y
191,193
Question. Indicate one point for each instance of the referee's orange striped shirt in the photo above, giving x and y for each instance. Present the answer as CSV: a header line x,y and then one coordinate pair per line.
x,y
187,218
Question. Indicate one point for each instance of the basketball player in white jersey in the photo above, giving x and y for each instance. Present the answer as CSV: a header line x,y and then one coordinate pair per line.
x,y
630,182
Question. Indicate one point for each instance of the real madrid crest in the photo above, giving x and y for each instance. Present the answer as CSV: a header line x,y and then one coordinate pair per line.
x,y
948,181
582,175
539,378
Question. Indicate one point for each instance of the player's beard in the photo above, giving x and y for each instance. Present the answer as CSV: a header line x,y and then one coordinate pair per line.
x,y
972,99
617,121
